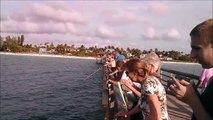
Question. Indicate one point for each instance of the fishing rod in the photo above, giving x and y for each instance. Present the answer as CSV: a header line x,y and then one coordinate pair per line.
x,y
94,72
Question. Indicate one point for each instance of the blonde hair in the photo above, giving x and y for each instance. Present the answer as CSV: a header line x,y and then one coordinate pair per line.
x,y
154,61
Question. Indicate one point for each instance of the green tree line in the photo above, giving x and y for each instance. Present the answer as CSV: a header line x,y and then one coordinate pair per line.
x,y
16,45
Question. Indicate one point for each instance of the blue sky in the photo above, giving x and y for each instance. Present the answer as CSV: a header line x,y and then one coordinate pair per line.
x,y
136,24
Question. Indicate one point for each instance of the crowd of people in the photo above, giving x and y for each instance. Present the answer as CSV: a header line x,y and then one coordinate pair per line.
x,y
140,77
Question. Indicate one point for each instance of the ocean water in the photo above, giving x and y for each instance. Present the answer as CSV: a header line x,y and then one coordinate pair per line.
x,y
46,88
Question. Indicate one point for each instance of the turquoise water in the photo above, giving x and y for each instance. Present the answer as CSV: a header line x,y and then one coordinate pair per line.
x,y
44,88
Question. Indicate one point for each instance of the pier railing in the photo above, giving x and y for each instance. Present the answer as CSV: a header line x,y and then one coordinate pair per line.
x,y
112,99
178,74
166,76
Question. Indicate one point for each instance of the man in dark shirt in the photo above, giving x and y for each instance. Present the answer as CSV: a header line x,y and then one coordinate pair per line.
x,y
202,51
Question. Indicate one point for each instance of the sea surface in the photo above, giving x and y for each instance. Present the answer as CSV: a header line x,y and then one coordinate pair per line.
x,y
47,88
191,68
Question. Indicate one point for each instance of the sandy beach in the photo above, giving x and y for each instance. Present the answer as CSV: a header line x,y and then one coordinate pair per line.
x,y
45,55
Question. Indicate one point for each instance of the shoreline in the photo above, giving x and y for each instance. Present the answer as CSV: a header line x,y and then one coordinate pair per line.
x,y
45,55
76,57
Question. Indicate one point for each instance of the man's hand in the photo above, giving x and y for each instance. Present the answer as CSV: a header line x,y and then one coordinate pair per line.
x,y
182,90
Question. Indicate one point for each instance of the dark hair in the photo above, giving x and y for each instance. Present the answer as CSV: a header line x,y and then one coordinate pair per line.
x,y
119,64
204,31
136,66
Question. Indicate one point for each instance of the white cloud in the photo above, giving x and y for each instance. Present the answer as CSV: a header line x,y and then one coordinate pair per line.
x,y
70,27
109,13
104,31
153,34
12,26
150,33
50,13
18,17
132,17
122,17
158,8
173,33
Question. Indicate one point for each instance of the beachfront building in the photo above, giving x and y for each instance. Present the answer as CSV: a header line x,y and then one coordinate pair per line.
x,y
167,58
51,51
142,55
88,51
42,50
70,49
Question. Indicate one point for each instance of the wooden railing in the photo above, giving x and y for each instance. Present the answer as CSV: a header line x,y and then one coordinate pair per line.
x,y
166,75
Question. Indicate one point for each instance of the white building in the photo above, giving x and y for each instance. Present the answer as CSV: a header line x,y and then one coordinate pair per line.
x,y
42,50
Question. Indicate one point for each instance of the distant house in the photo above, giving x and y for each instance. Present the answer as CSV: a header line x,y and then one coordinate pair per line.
x,y
42,50
89,51
142,55
109,50
52,51
168,58
68,49
71,50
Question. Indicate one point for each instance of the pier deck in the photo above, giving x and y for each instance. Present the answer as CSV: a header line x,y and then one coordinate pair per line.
x,y
178,110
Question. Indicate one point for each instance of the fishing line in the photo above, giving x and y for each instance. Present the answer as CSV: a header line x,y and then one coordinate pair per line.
x,y
94,72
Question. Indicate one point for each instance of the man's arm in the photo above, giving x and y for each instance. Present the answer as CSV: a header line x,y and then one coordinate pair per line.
x,y
197,107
